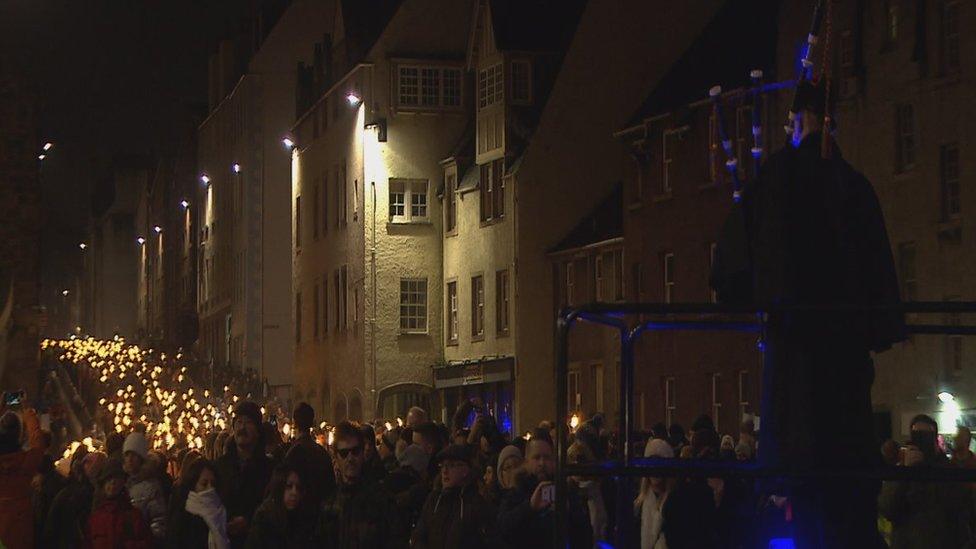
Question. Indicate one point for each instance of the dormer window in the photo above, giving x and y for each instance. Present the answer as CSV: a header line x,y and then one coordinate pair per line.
x,y
428,87
490,86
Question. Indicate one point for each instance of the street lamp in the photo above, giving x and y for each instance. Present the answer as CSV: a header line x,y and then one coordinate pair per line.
x,y
946,397
82,245
205,179
236,167
65,292
41,156
158,229
353,99
141,240
48,146
288,143
185,204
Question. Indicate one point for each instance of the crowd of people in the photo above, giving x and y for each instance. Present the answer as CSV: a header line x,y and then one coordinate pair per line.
x,y
261,476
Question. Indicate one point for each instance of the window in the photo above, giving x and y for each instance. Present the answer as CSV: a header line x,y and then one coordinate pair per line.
x,y
906,271
429,86
325,204
501,302
316,201
315,312
452,313
298,317
492,190
712,296
950,37
477,306
413,305
745,393
598,278
570,282
521,81
949,180
325,305
344,295
670,406
668,270
337,283
904,137
637,280
669,144
609,276
891,23
743,145
716,400
450,203
298,221
574,397
408,200
490,82
847,85
341,200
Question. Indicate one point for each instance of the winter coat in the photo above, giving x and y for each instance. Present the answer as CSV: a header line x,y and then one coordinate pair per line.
x,y
315,460
409,493
524,528
147,496
51,485
185,529
925,515
68,516
455,518
207,506
116,524
17,469
243,485
275,527
360,516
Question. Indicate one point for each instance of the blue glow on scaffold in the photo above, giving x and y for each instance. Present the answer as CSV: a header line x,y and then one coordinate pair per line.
x,y
782,543
604,545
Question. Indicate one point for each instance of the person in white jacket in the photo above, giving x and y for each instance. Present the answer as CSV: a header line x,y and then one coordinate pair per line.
x,y
650,501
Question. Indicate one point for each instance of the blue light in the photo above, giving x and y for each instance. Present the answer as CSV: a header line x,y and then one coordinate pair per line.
x,y
782,543
604,545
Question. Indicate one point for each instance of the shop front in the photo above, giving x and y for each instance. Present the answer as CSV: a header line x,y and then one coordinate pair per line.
x,y
488,381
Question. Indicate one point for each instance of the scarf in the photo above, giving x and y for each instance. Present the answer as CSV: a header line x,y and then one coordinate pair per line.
x,y
207,505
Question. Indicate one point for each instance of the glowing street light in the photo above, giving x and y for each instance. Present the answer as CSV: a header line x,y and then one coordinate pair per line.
x,y
65,292
82,245
353,99
141,240
41,156
236,167
205,179
158,229
48,146
289,144
946,397
185,204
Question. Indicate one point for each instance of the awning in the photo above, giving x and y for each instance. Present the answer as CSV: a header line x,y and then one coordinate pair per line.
x,y
478,372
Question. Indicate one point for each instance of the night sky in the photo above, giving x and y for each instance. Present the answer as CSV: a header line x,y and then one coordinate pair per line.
x,y
113,78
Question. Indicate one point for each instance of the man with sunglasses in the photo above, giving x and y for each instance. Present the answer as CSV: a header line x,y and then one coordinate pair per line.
x,y
359,514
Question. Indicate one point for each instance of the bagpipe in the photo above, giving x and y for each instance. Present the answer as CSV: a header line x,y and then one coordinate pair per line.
x,y
802,85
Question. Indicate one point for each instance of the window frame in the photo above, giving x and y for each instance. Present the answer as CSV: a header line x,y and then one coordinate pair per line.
x,y
950,187
452,318
716,380
502,302
440,86
744,378
670,400
491,85
425,305
450,203
409,190
477,307
950,50
906,142
491,194
667,275
516,98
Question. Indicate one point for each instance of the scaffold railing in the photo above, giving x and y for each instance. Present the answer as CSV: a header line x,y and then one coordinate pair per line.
x,y
632,320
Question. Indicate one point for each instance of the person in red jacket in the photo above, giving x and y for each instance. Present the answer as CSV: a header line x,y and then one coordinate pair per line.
x,y
17,468
114,523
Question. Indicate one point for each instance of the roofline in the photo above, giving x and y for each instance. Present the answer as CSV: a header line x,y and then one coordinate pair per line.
x,y
591,246
220,104
327,93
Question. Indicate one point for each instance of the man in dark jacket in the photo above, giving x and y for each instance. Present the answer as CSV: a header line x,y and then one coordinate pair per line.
x,y
244,472
310,456
525,518
809,232
455,516
360,513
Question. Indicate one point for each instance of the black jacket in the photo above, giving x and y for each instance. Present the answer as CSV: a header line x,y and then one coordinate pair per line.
x,y
184,529
68,515
360,516
242,486
316,462
455,519
273,526
521,527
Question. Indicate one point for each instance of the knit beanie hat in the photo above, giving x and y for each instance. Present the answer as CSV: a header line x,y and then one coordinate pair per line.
x,y
136,442
414,457
507,452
